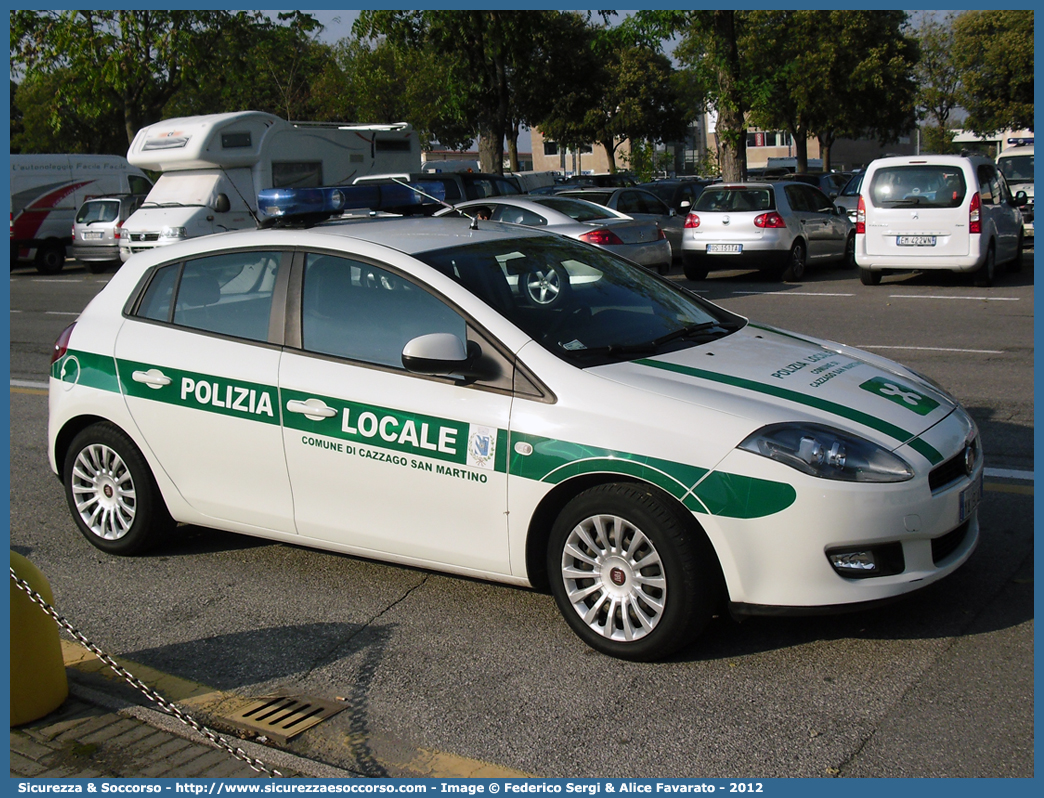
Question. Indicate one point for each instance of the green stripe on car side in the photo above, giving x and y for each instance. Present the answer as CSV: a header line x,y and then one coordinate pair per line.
x,y
715,493
550,460
88,369
891,430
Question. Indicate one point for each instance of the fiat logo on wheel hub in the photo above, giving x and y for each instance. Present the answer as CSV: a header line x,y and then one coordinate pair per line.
x,y
618,576
107,490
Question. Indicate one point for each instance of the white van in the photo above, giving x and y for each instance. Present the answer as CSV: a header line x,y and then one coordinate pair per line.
x,y
936,212
47,190
1016,164
214,166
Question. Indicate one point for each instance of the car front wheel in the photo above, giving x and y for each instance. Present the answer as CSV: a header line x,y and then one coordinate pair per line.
x,y
111,492
633,577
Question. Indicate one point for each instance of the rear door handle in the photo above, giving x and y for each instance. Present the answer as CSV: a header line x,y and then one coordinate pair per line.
x,y
154,378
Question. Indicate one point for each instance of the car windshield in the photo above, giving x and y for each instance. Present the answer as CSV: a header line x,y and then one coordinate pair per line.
x,y
98,211
577,210
851,188
735,199
932,186
1017,168
583,304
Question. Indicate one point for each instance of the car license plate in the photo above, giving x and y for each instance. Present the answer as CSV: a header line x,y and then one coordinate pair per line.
x,y
916,241
92,236
970,498
724,249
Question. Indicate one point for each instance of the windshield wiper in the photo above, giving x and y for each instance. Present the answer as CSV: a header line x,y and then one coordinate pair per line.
x,y
702,329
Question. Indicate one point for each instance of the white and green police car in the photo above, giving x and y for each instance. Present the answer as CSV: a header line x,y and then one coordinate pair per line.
x,y
502,403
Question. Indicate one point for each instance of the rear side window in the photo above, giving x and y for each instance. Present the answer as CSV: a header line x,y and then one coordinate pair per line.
x,y
98,211
229,294
578,211
919,185
735,199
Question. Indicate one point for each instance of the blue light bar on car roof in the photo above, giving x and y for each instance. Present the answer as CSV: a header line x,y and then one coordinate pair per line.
x,y
1020,142
291,203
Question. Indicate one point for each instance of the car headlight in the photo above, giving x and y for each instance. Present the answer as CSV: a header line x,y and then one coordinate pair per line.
x,y
826,452
173,232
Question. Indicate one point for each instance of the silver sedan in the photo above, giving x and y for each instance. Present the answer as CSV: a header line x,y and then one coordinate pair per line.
x,y
642,242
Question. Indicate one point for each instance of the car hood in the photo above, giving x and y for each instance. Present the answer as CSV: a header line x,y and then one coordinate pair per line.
x,y
769,376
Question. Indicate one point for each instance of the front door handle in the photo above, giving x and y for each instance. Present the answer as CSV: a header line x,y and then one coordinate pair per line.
x,y
154,378
313,409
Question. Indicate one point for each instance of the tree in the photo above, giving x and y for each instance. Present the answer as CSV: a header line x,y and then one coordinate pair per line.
x,y
376,82
938,80
47,122
487,60
710,48
832,74
630,96
993,50
124,63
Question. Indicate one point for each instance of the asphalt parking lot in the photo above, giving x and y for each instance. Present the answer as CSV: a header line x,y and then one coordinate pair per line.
x,y
428,665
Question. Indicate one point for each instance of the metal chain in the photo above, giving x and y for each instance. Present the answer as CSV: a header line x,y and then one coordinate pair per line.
x,y
134,681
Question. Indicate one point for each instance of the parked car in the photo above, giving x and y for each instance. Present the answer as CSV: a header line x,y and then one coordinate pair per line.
x,y
457,186
678,194
1016,164
381,389
849,196
96,230
641,241
638,204
830,183
606,180
780,227
937,212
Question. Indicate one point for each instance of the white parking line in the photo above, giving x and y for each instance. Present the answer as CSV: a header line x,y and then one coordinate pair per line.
x,y
979,298
26,384
936,349
789,293
61,313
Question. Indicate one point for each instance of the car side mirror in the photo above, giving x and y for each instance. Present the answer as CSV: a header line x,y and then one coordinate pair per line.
x,y
1021,198
672,213
221,203
441,355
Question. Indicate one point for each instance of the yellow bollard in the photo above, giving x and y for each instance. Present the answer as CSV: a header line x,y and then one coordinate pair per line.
x,y
38,683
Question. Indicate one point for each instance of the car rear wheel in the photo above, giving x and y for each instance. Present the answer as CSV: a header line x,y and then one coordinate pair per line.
x,y
111,492
50,258
986,273
869,277
633,577
848,260
795,268
1016,264
693,270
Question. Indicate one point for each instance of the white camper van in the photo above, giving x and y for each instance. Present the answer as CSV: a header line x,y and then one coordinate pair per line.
x,y
214,166
46,190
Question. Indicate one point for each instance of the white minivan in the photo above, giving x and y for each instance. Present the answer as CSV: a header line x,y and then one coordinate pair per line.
x,y
937,212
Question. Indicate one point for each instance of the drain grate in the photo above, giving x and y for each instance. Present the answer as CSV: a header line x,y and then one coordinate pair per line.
x,y
281,717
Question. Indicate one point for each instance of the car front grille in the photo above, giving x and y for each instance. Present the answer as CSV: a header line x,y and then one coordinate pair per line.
x,y
946,545
144,236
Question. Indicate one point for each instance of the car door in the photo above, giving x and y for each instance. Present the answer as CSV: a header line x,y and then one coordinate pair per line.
x,y
826,236
199,374
383,461
997,207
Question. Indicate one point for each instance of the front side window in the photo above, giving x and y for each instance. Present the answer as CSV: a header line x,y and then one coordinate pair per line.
x,y
577,210
932,186
358,311
515,215
581,303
